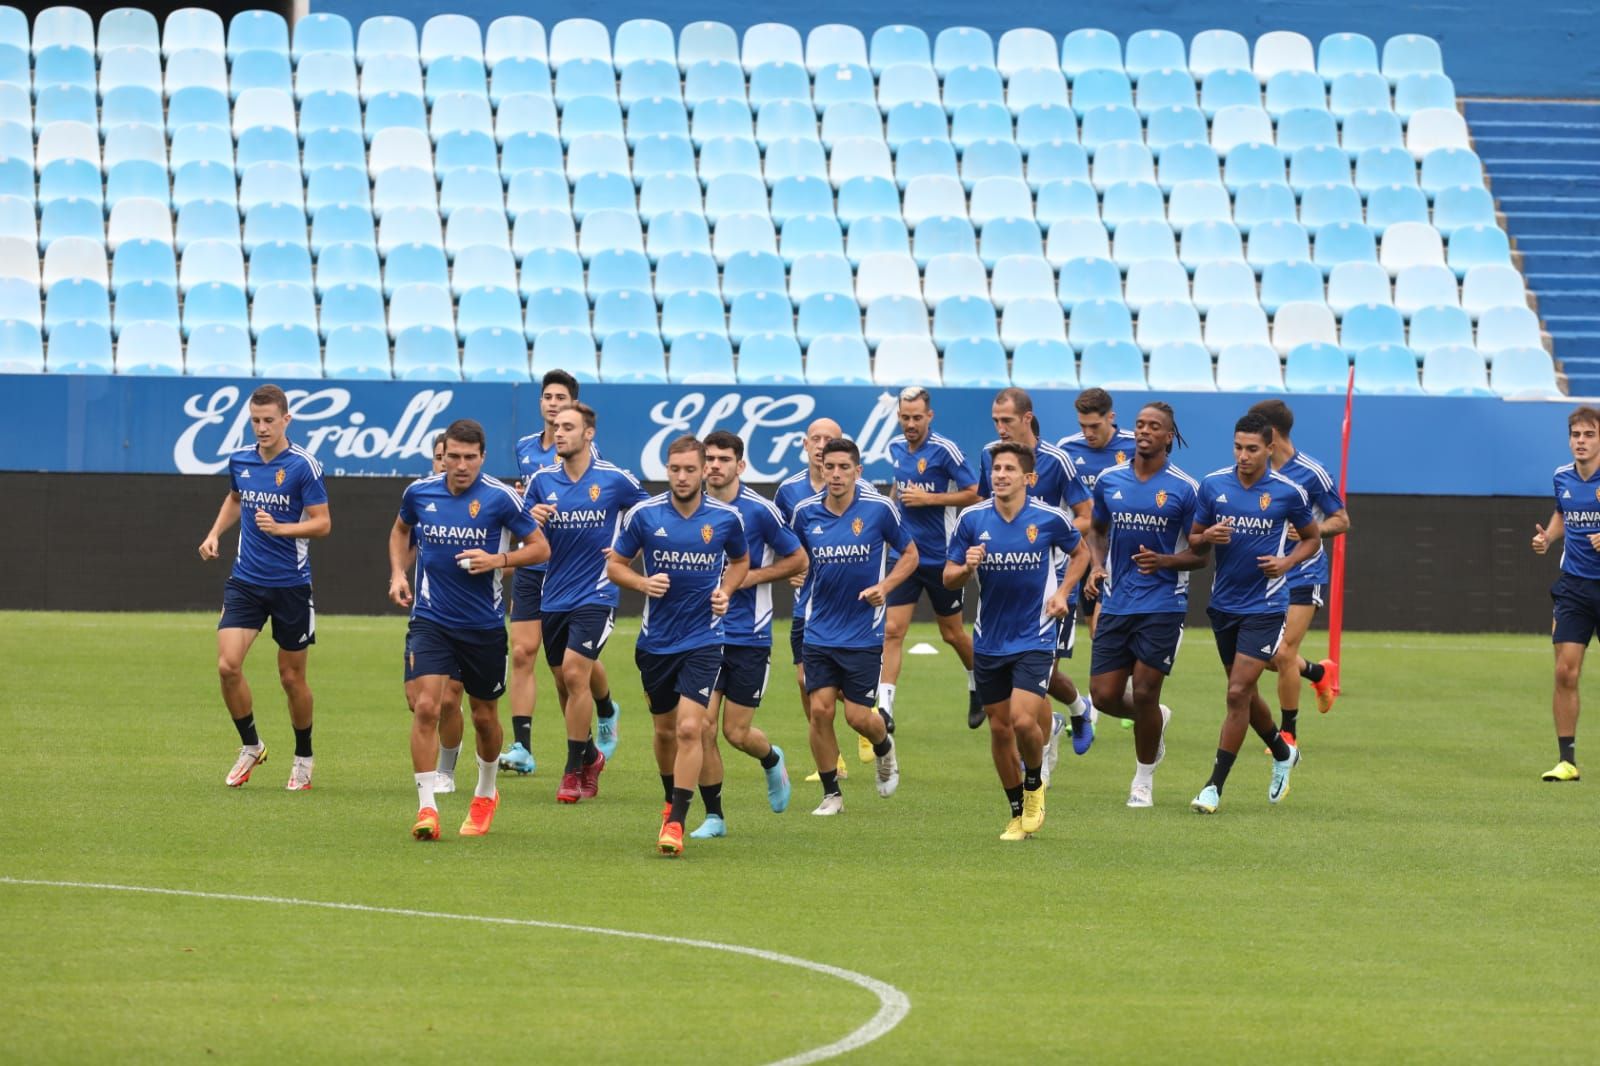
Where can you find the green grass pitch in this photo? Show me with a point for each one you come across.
(1420, 896)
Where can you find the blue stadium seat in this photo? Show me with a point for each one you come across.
(1034, 319)
(1024, 48)
(579, 39)
(1182, 366)
(1290, 281)
(1017, 277)
(735, 155)
(843, 82)
(1307, 128)
(426, 353)
(1248, 368)
(556, 308)
(713, 78)
(633, 357)
(1377, 167)
(1189, 161)
(897, 44)
(1411, 54)
(1096, 321)
(455, 74)
(838, 360)
(282, 304)
(1387, 370)
(1165, 87)
(1344, 242)
(488, 307)
(735, 194)
(19, 301)
(1005, 237)
(1323, 205)
(1445, 168)
(1462, 205)
(322, 32)
(1076, 239)
(887, 274)
(1129, 201)
(395, 110)
(792, 197)
(770, 359)
(1179, 124)
(1500, 328)
(1123, 161)
(200, 220)
(1058, 201)
(79, 347)
(694, 311)
(618, 270)
(958, 46)
(386, 35)
(1248, 164)
(947, 235)
(1102, 87)
(990, 159)
(1227, 87)
(907, 84)
(678, 231)
(1169, 322)
(1230, 325)
(975, 122)
(511, 37)
(810, 235)
(876, 234)
(659, 154)
(1278, 242)
(344, 264)
(1439, 327)
(825, 314)
(655, 115)
(70, 217)
(520, 78)
(1369, 325)
(903, 361)
(260, 69)
(1042, 124)
(792, 157)
(1417, 287)
(555, 268)
(219, 350)
(964, 318)
(1371, 128)
(1478, 245)
(1524, 373)
(1355, 283)
(288, 351)
(1112, 365)
(846, 119)
(495, 354)
(583, 77)
(215, 304)
(566, 349)
(1303, 322)
(150, 348)
(1492, 286)
(21, 348)
(482, 265)
(419, 305)
(1149, 239)
(870, 197)
(755, 313)
(975, 363)
(471, 187)
(1319, 166)
(345, 306)
(1158, 281)
(1150, 50)
(1224, 282)
(1108, 124)
(1044, 365)
(650, 79)
(1316, 368)
(782, 119)
(814, 274)
(702, 359)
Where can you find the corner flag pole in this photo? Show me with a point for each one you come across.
(1336, 574)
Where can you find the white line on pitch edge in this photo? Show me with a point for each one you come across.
(893, 1004)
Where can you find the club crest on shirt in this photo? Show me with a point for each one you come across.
(1265, 500)
(855, 527)
(594, 493)
(1596, 491)
(705, 532)
(1033, 533)
(279, 479)
(1161, 497)
(922, 465)
(1032, 479)
(1122, 456)
(473, 508)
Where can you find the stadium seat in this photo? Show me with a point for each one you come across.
(633, 357)
(1344, 242)
(904, 361)
(1249, 368)
(754, 313)
(1316, 368)
(838, 360)
(702, 41)
(751, 272)
(1150, 50)
(351, 305)
(1282, 51)
(811, 275)
(414, 263)
(418, 305)
(1500, 328)
(1204, 242)
(1353, 283)
(427, 353)
(948, 276)
(963, 318)
(488, 307)
(1435, 128)
(770, 359)
(975, 363)
(897, 44)
(1371, 324)
(1421, 91)
(1278, 242)
(1295, 281)
(825, 314)
(1181, 366)
(1097, 321)
(1121, 161)
(1086, 278)
(288, 351)
(1167, 322)
(1300, 323)
(1425, 286)
(79, 347)
(219, 350)
(1492, 286)
(698, 311)
(1524, 373)
(1016, 277)
(876, 234)
(1218, 283)
(1230, 325)
(887, 274)
(702, 359)
(145, 301)
(322, 32)
(619, 310)
(737, 234)
(282, 304)
(895, 316)
(215, 304)
(1130, 201)
(958, 46)
(557, 268)
(566, 349)
(618, 270)
(1478, 245)
(1044, 364)
(556, 308)
(1044, 123)
(150, 348)
(1141, 240)
(1112, 365)
(1439, 327)
(1058, 201)
(1387, 370)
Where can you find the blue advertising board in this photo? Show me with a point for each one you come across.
(110, 424)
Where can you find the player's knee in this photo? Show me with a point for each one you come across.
(1145, 694)
(229, 671)
(895, 629)
(523, 655)
(1104, 694)
(1238, 696)
(950, 628)
(426, 710)
(1286, 659)
(736, 732)
(1567, 676)
(690, 727)
(291, 676)
(822, 713)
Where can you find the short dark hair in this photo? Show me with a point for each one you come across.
(721, 438)
(1255, 423)
(1277, 413)
(1095, 401)
(1017, 398)
(562, 378)
(687, 443)
(842, 445)
(587, 412)
(466, 431)
(1010, 447)
(1579, 414)
(270, 394)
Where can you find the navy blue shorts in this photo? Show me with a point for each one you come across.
(853, 671)
(1253, 635)
(1067, 632)
(688, 675)
(744, 674)
(474, 657)
(294, 616)
(1577, 610)
(526, 588)
(797, 638)
(998, 675)
(583, 629)
(1306, 596)
(1120, 640)
(929, 579)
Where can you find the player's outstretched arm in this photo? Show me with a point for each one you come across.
(227, 515)
(790, 566)
(318, 522)
(400, 552)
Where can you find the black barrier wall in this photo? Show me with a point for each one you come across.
(128, 543)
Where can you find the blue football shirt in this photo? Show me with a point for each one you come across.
(691, 551)
(748, 622)
(489, 516)
(1578, 500)
(588, 514)
(1089, 462)
(937, 466)
(1052, 482)
(1313, 477)
(792, 492)
(532, 455)
(1156, 514)
(1262, 515)
(284, 488)
(849, 553)
(1021, 569)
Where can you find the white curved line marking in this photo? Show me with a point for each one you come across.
(893, 1004)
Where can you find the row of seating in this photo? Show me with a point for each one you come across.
(489, 354)
(515, 37)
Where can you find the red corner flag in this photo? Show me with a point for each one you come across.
(1336, 574)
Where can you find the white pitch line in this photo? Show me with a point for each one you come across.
(893, 1004)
